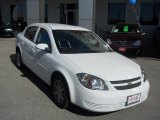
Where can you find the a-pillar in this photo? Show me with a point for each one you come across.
(87, 14)
(35, 11)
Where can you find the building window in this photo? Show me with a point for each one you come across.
(69, 14)
(149, 14)
(116, 13)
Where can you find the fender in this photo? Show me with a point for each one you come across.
(70, 80)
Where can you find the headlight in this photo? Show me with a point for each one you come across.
(92, 82)
(137, 43)
(109, 41)
(143, 75)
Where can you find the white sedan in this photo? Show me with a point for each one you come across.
(80, 68)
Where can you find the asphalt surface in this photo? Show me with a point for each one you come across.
(23, 96)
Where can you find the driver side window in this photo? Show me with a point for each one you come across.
(43, 37)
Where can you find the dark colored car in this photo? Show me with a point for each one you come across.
(6, 30)
(156, 40)
(126, 38)
(11, 29)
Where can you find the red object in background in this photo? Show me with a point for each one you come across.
(122, 49)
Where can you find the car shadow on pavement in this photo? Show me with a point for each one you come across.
(80, 111)
(33, 78)
(47, 90)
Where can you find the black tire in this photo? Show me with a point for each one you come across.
(60, 91)
(19, 62)
(139, 53)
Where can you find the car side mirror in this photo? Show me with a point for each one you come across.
(44, 47)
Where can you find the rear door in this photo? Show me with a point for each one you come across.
(28, 45)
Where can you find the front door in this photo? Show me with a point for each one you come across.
(42, 58)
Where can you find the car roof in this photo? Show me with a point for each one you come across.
(129, 24)
(56, 26)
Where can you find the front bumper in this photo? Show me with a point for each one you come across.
(107, 101)
(127, 49)
(7, 34)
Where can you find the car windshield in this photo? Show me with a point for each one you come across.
(75, 41)
(126, 28)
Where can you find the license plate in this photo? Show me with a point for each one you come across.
(133, 99)
(122, 49)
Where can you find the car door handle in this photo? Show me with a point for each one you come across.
(22, 43)
(33, 50)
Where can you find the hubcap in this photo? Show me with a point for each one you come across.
(59, 91)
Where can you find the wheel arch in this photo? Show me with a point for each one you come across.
(18, 49)
(59, 73)
(69, 82)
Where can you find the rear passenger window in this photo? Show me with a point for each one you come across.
(30, 32)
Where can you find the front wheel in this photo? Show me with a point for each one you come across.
(60, 91)
(139, 53)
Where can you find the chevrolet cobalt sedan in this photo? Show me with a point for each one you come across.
(80, 68)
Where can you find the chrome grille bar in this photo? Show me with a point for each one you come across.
(125, 81)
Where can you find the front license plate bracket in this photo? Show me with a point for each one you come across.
(132, 99)
(122, 49)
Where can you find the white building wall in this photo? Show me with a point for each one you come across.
(87, 14)
(35, 11)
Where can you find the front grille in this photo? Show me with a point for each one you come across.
(126, 84)
(122, 43)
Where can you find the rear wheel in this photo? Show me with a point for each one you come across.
(19, 62)
(60, 91)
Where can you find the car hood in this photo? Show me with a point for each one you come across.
(109, 66)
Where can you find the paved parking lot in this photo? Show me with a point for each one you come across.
(23, 96)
